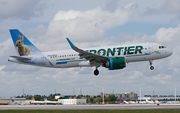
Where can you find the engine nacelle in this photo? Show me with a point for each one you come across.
(115, 63)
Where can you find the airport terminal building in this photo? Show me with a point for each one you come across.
(160, 98)
(131, 96)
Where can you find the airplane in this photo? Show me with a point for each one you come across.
(123, 101)
(149, 101)
(111, 57)
(18, 102)
(46, 102)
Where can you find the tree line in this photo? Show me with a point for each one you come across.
(90, 99)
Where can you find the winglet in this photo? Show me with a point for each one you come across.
(71, 44)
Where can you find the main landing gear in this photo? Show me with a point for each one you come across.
(96, 72)
(151, 67)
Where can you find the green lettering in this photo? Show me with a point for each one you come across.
(119, 50)
(130, 50)
(102, 52)
(112, 52)
(138, 49)
(125, 50)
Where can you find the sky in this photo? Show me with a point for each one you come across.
(90, 23)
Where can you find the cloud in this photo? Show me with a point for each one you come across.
(6, 50)
(169, 7)
(21, 9)
(168, 35)
(163, 79)
(84, 25)
(132, 6)
(87, 29)
(112, 5)
(37, 80)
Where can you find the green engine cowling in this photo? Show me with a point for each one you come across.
(115, 63)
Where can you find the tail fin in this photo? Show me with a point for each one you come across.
(22, 45)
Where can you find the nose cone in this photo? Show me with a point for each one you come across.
(169, 52)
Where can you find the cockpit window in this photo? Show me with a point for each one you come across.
(161, 47)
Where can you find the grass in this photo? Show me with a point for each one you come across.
(89, 111)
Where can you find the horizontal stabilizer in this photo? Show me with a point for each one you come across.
(21, 58)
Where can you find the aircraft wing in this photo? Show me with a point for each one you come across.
(87, 55)
(21, 58)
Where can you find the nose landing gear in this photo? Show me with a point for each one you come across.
(151, 67)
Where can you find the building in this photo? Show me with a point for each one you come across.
(72, 101)
(125, 96)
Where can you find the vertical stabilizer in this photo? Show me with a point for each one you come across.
(22, 45)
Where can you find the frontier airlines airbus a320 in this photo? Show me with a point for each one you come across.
(112, 57)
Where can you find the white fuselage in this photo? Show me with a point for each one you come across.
(70, 58)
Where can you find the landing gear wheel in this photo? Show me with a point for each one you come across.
(152, 67)
(96, 72)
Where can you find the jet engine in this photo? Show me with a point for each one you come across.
(115, 63)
